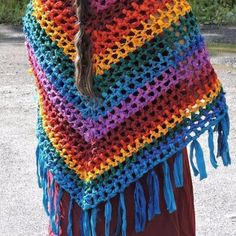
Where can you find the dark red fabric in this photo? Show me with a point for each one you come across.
(179, 223)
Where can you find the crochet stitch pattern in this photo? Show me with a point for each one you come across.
(158, 92)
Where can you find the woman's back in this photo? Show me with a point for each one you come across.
(156, 92)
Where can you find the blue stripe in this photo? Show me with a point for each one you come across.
(64, 71)
(148, 155)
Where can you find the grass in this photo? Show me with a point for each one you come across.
(207, 11)
(217, 12)
(11, 11)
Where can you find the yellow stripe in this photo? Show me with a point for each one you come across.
(55, 32)
(155, 25)
(200, 103)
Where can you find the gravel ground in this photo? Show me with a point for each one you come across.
(21, 211)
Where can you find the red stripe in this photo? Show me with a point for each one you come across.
(107, 28)
(127, 132)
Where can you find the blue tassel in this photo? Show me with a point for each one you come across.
(118, 225)
(81, 224)
(154, 200)
(211, 147)
(226, 124)
(121, 218)
(86, 223)
(93, 221)
(195, 145)
(124, 223)
(168, 190)
(220, 138)
(223, 147)
(178, 170)
(58, 212)
(195, 171)
(108, 212)
(140, 208)
(42, 177)
(38, 157)
(45, 191)
(70, 219)
(52, 214)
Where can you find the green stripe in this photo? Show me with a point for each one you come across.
(148, 146)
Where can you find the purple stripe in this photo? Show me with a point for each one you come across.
(67, 110)
(120, 114)
(93, 130)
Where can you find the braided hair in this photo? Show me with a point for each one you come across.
(83, 62)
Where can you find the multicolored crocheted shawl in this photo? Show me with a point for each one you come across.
(158, 93)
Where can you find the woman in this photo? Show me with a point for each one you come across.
(123, 87)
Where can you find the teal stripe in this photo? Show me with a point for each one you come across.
(84, 191)
(64, 70)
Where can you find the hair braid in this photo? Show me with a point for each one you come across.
(83, 62)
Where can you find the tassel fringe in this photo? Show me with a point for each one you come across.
(168, 190)
(154, 192)
(140, 207)
(70, 219)
(223, 147)
(93, 221)
(195, 145)
(42, 177)
(58, 212)
(143, 210)
(121, 218)
(108, 212)
(86, 223)
(39, 169)
(211, 147)
(82, 224)
(52, 215)
(178, 170)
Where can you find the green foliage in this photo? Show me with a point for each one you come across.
(214, 11)
(207, 11)
(11, 11)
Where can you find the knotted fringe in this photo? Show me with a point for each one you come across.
(108, 212)
(58, 211)
(140, 207)
(42, 176)
(52, 214)
(168, 190)
(89, 217)
(70, 219)
(50, 202)
(211, 147)
(195, 145)
(82, 224)
(223, 147)
(178, 170)
(86, 223)
(121, 217)
(154, 201)
(39, 169)
(93, 221)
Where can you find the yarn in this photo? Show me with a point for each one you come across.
(158, 92)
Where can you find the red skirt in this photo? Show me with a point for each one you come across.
(179, 223)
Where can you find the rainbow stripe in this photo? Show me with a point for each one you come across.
(158, 90)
